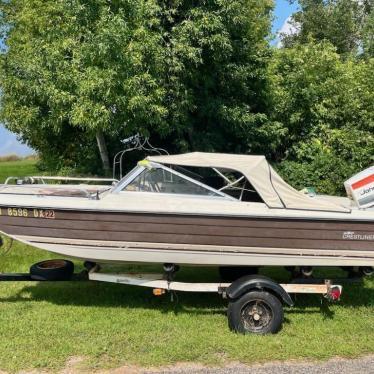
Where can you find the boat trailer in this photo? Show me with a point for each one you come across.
(255, 302)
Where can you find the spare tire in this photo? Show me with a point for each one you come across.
(52, 270)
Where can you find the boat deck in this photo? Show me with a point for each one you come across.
(53, 190)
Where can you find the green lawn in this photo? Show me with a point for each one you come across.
(17, 168)
(42, 325)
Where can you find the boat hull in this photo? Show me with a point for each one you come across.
(192, 239)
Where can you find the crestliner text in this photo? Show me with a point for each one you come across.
(351, 235)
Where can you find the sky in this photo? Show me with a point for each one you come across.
(9, 143)
(282, 12)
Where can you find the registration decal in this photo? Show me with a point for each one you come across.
(44, 213)
(31, 213)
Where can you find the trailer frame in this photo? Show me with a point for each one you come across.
(255, 302)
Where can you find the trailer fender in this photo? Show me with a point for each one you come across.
(257, 282)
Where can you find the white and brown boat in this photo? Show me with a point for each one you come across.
(195, 209)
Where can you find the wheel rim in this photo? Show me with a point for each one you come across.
(256, 315)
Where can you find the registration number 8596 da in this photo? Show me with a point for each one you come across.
(32, 213)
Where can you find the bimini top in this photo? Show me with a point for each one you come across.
(274, 191)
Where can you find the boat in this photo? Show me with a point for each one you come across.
(193, 209)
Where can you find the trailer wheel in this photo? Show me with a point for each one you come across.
(257, 312)
(52, 270)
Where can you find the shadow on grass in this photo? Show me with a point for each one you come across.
(96, 294)
(110, 295)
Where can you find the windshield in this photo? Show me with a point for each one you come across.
(163, 181)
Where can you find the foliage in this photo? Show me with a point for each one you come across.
(217, 73)
(189, 71)
(194, 75)
(368, 35)
(14, 157)
(325, 105)
(74, 67)
(344, 23)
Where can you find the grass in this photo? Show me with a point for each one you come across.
(22, 167)
(42, 325)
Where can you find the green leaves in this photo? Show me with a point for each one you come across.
(93, 66)
(194, 75)
(193, 72)
(343, 23)
(325, 105)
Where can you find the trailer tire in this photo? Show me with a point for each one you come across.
(257, 312)
(52, 270)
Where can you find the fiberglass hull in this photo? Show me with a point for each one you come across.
(192, 239)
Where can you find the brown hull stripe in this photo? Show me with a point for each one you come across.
(245, 232)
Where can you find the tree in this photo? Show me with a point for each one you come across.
(341, 22)
(190, 73)
(368, 35)
(76, 71)
(216, 80)
(325, 105)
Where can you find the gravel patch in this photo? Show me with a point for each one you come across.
(334, 366)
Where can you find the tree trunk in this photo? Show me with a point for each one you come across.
(103, 152)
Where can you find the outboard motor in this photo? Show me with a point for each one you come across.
(360, 188)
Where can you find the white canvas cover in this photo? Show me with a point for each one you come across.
(274, 191)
